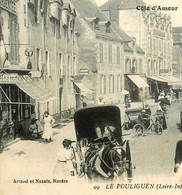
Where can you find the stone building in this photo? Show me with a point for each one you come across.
(177, 52)
(42, 49)
(134, 82)
(153, 33)
(101, 55)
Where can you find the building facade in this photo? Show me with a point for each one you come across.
(42, 50)
(101, 54)
(153, 33)
(177, 52)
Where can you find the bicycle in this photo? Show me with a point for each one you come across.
(139, 129)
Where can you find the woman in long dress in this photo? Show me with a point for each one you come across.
(48, 132)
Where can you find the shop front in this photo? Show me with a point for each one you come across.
(22, 99)
(137, 87)
(163, 83)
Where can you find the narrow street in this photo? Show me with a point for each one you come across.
(152, 155)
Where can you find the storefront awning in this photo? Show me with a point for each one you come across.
(83, 88)
(29, 86)
(170, 80)
(157, 78)
(138, 81)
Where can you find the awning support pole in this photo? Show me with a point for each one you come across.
(5, 94)
(157, 86)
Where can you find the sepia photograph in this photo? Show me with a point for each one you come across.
(90, 97)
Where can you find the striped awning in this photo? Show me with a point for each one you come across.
(138, 81)
(29, 86)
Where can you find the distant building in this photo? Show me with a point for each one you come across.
(41, 44)
(134, 82)
(177, 52)
(101, 55)
(153, 33)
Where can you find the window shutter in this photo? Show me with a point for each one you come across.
(49, 63)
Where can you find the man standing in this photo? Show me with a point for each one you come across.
(178, 159)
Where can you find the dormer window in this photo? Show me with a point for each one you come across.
(96, 23)
(108, 26)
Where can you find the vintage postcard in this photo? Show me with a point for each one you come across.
(90, 97)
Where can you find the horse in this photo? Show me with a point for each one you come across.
(106, 162)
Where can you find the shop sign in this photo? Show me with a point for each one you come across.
(8, 78)
(84, 71)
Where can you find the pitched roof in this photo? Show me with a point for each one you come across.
(121, 4)
(126, 38)
(87, 9)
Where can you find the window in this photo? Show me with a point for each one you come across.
(103, 84)
(68, 65)
(60, 64)
(149, 45)
(140, 65)
(111, 83)
(154, 46)
(47, 64)
(119, 83)
(101, 51)
(74, 65)
(110, 53)
(14, 42)
(38, 59)
(118, 55)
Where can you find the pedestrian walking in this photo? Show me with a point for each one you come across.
(48, 132)
(178, 161)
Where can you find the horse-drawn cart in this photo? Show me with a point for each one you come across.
(100, 146)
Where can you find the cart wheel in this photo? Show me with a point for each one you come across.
(157, 128)
(139, 129)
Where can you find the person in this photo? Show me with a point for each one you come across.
(147, 109)
(35, 128)
(177, 95)
(156, 95)
(66, 162)
(100, 101)
(162, 108)
(161, 96)
(48, 132)
(178, 160)
(111, 132)
(98, 132)
(144, 118)
(159, 115)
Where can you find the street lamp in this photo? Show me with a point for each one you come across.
(29, 53)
